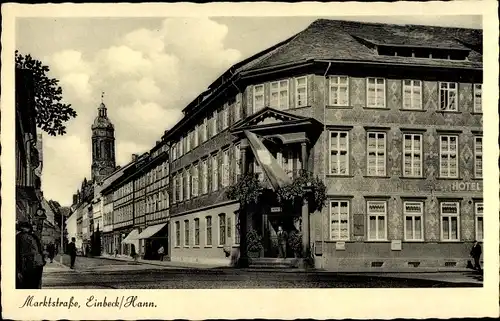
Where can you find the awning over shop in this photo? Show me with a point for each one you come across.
(151, 231)
(131, 237)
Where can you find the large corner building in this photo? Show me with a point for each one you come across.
(389, 117)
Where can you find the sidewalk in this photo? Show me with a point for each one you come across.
(55, 267)
(183, 265)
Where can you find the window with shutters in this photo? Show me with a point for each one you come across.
(225, 116)
(177, 234)
(196, 135)
(236, 228)
(448, 160)
(376, 154)
(339, 91)
(279, 94)
(214, 129)
(414, 218)
(377, 220)
(412, 94)
(237, 108)
(204, 128)
(237, 157)
(339, 220)
(450, 221)
(412, 149)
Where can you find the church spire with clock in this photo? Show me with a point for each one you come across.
(103, 144)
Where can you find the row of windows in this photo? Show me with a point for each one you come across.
(157, 202)
(376, 151)
(194, 181)
(124, 190)
(413, 220)
(227, 228)
(338, 94)
(208, 127)
(156, 153)
(123, 214)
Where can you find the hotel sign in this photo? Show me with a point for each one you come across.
(467, 186)
(275, 209)
(396, 245)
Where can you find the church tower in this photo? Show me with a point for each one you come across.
(103, 145)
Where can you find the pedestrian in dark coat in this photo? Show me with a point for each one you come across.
(282, 240)
(476, 255)
(72, 252)
(51, 250)
(29, 258)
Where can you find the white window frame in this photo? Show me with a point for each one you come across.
(339, 222)
(340, 150)
(281, 86)
(412, 154)
(258, 93)
(478, 105)
(477, 155)
(479, 214)
(194, 181)
(225, 166)
(376, 150)
(236, 238)
(338, 85)
(374, 104)
(449, 153)
(413, 216)
(412, 86)
(219, 229)
(174, 188)
(450, 216)
(377, 216)
(297, 87)
(445, 86)
(181, 146)
(215, 172)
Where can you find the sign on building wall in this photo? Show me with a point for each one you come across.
(358, 224)
(340, 246)
(396, 245)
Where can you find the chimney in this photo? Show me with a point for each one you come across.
(75, 198)
(134, 157)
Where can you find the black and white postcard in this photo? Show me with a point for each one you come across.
(333, 160)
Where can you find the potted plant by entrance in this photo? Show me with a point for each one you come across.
(254, 244)
(295, 243)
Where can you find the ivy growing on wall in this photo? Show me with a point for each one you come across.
(247, 190)
(304, 186)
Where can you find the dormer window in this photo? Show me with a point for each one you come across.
(422, 52)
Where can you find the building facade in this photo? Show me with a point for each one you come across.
(28, 158)
(389, 117)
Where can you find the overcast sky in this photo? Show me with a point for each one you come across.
(149, 69)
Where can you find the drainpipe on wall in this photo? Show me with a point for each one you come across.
(325, 96)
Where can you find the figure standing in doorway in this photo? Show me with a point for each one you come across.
(476, 255)
(282, 239)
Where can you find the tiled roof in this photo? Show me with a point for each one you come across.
(340, 40)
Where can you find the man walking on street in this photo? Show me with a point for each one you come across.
(282, 238)
(51, 250)
(29, 258)
(72, 252)
(476, 255)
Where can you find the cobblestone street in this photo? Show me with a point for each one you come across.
(113, 274)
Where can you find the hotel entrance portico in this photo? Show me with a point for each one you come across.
(272, 138)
